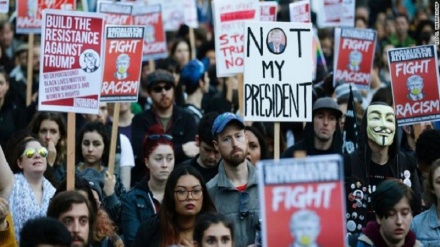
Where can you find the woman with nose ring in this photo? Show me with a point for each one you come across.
(145, 198)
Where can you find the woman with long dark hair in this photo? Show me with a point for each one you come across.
(186, 196)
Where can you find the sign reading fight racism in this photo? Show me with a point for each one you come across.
(70, 68)
(123, 60)
(302, 201)
(273, 88)
(29, 13)
(268, 11)
(300, 11)
(354, 52)
(150, 16)
(229, 17)
(335, 13)
(116, 13)
(415, 84)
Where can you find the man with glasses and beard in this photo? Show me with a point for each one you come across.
(75, 212)
(175, 121)
(377, 158)
(237, 179)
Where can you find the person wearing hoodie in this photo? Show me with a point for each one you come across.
(394, 204)
(376, 159)
(324, 128)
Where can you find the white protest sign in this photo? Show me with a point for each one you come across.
(229, 32)
(71, 61)
(173, 13)
(300, 11)
(278, 71)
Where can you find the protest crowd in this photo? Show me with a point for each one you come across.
(187, 150)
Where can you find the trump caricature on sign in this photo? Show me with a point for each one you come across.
(305, 227)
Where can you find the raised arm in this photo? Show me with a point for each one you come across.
(6, 176)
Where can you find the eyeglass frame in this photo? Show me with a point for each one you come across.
(36, 150)
(187, 194)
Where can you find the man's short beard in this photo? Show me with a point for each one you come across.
(235, 160)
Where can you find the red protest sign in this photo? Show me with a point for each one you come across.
(268, 11)
(150, 16)
(122, 63)
(302, 201)
(29, 13)
(70, 71)
(415, 84)
(354, 51)
(116, 13)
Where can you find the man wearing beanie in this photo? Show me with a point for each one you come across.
(324, 128)
(175, 121)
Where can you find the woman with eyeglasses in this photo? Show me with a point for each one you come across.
(51, 129)
(213, 229)
(23, 183)
(92, 150)
(145, 198)
(186, 197)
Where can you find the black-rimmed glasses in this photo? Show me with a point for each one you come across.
(157, 137)
(244, 200)
(183, 194)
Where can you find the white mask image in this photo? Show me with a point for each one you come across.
(381, 124)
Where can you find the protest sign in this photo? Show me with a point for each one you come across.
(190, 14)
(150, 16)
(334, 13)
(116, 13)
(70, 68)
(229, 17)
(300, 11)
(4, 6)
(415, 84)
(273, 88)
(29, 13)
(123, 56)
(354, 53)
(302, 201)
(268, 11)
(173, 13)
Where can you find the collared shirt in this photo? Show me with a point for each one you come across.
(426, 226)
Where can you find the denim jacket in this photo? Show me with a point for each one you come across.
(137, 205)
(226, 197)
(426, 226)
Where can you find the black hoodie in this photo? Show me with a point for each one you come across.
(362, 177)
(308, 143)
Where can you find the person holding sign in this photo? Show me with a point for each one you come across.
(237, 180)
(378, 158)
(324, 128)
(394, 204)
(92, 151)
(145, 198)
(27, 191)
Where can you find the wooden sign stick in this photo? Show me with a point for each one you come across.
(71, 119)
(111, 158)
(30, 69)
